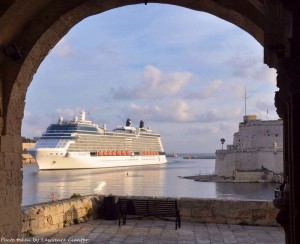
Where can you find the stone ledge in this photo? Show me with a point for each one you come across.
(40, 218)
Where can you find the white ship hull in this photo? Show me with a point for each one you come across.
(79, 144)
(86, 161)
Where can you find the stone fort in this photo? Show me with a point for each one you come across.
(257, 145)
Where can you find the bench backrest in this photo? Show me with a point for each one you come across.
(167, 208)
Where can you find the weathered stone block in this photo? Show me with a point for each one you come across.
(37, 224)
(245, 214)
(203, 212)
(25, 226)
(186, 212)
(258, 214)
(7, 144)
(57, 219)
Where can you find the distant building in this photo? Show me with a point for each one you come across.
(256, 146)
(26, 157)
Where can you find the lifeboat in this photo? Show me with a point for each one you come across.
(114, 153)
(109, 153)
(105, 153)
(123, 153)
(118, 153)
(128, 153)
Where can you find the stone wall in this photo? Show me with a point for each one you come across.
(259, 134)
(10, 186)
(223, 211)
(45, 217)
(260, 176)
(257, 144)
(227, 161)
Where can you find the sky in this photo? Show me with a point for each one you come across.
(182, 71)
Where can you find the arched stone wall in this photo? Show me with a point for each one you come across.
(35, 27)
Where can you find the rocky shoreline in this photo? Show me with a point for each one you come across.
(216, 178)
(208, 178)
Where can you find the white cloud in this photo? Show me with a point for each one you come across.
(208, 91)
(180, 111)
(173, 110)
(243, 66)
(267, 74)
(252, 67)
(218, 115)
(155, 84)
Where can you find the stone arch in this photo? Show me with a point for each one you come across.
(41, 25)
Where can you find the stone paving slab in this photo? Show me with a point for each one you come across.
(155, 231)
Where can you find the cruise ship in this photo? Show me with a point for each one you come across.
(80, 144)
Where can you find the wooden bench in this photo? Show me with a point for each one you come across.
(162, 209)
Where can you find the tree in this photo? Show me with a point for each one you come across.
(222, 141)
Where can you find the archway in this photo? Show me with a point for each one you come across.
(41, 25)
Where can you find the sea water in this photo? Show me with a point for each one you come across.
(149, 180)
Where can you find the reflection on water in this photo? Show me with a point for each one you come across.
(150, 180)
(259, 191)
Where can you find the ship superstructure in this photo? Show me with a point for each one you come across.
(79, 143)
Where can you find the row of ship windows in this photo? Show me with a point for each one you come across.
(116, 141)
(109, 149)
(116, 145)
(52, 144)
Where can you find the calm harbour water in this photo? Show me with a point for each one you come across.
(149, 180)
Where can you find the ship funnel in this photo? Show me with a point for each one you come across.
(128, 122)
(141, 124)
(82, 115)
(60, 120)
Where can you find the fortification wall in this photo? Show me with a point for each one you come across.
(257, 145)
(45, 217)
(259, 134)
(230, 160)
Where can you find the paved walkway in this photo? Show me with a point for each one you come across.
(148, 231)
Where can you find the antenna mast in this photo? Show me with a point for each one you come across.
(246, 100)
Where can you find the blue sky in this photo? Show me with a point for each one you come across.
(183, 72)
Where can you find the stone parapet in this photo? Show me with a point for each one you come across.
(40, 218)
(44, 217)
(223, 211)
